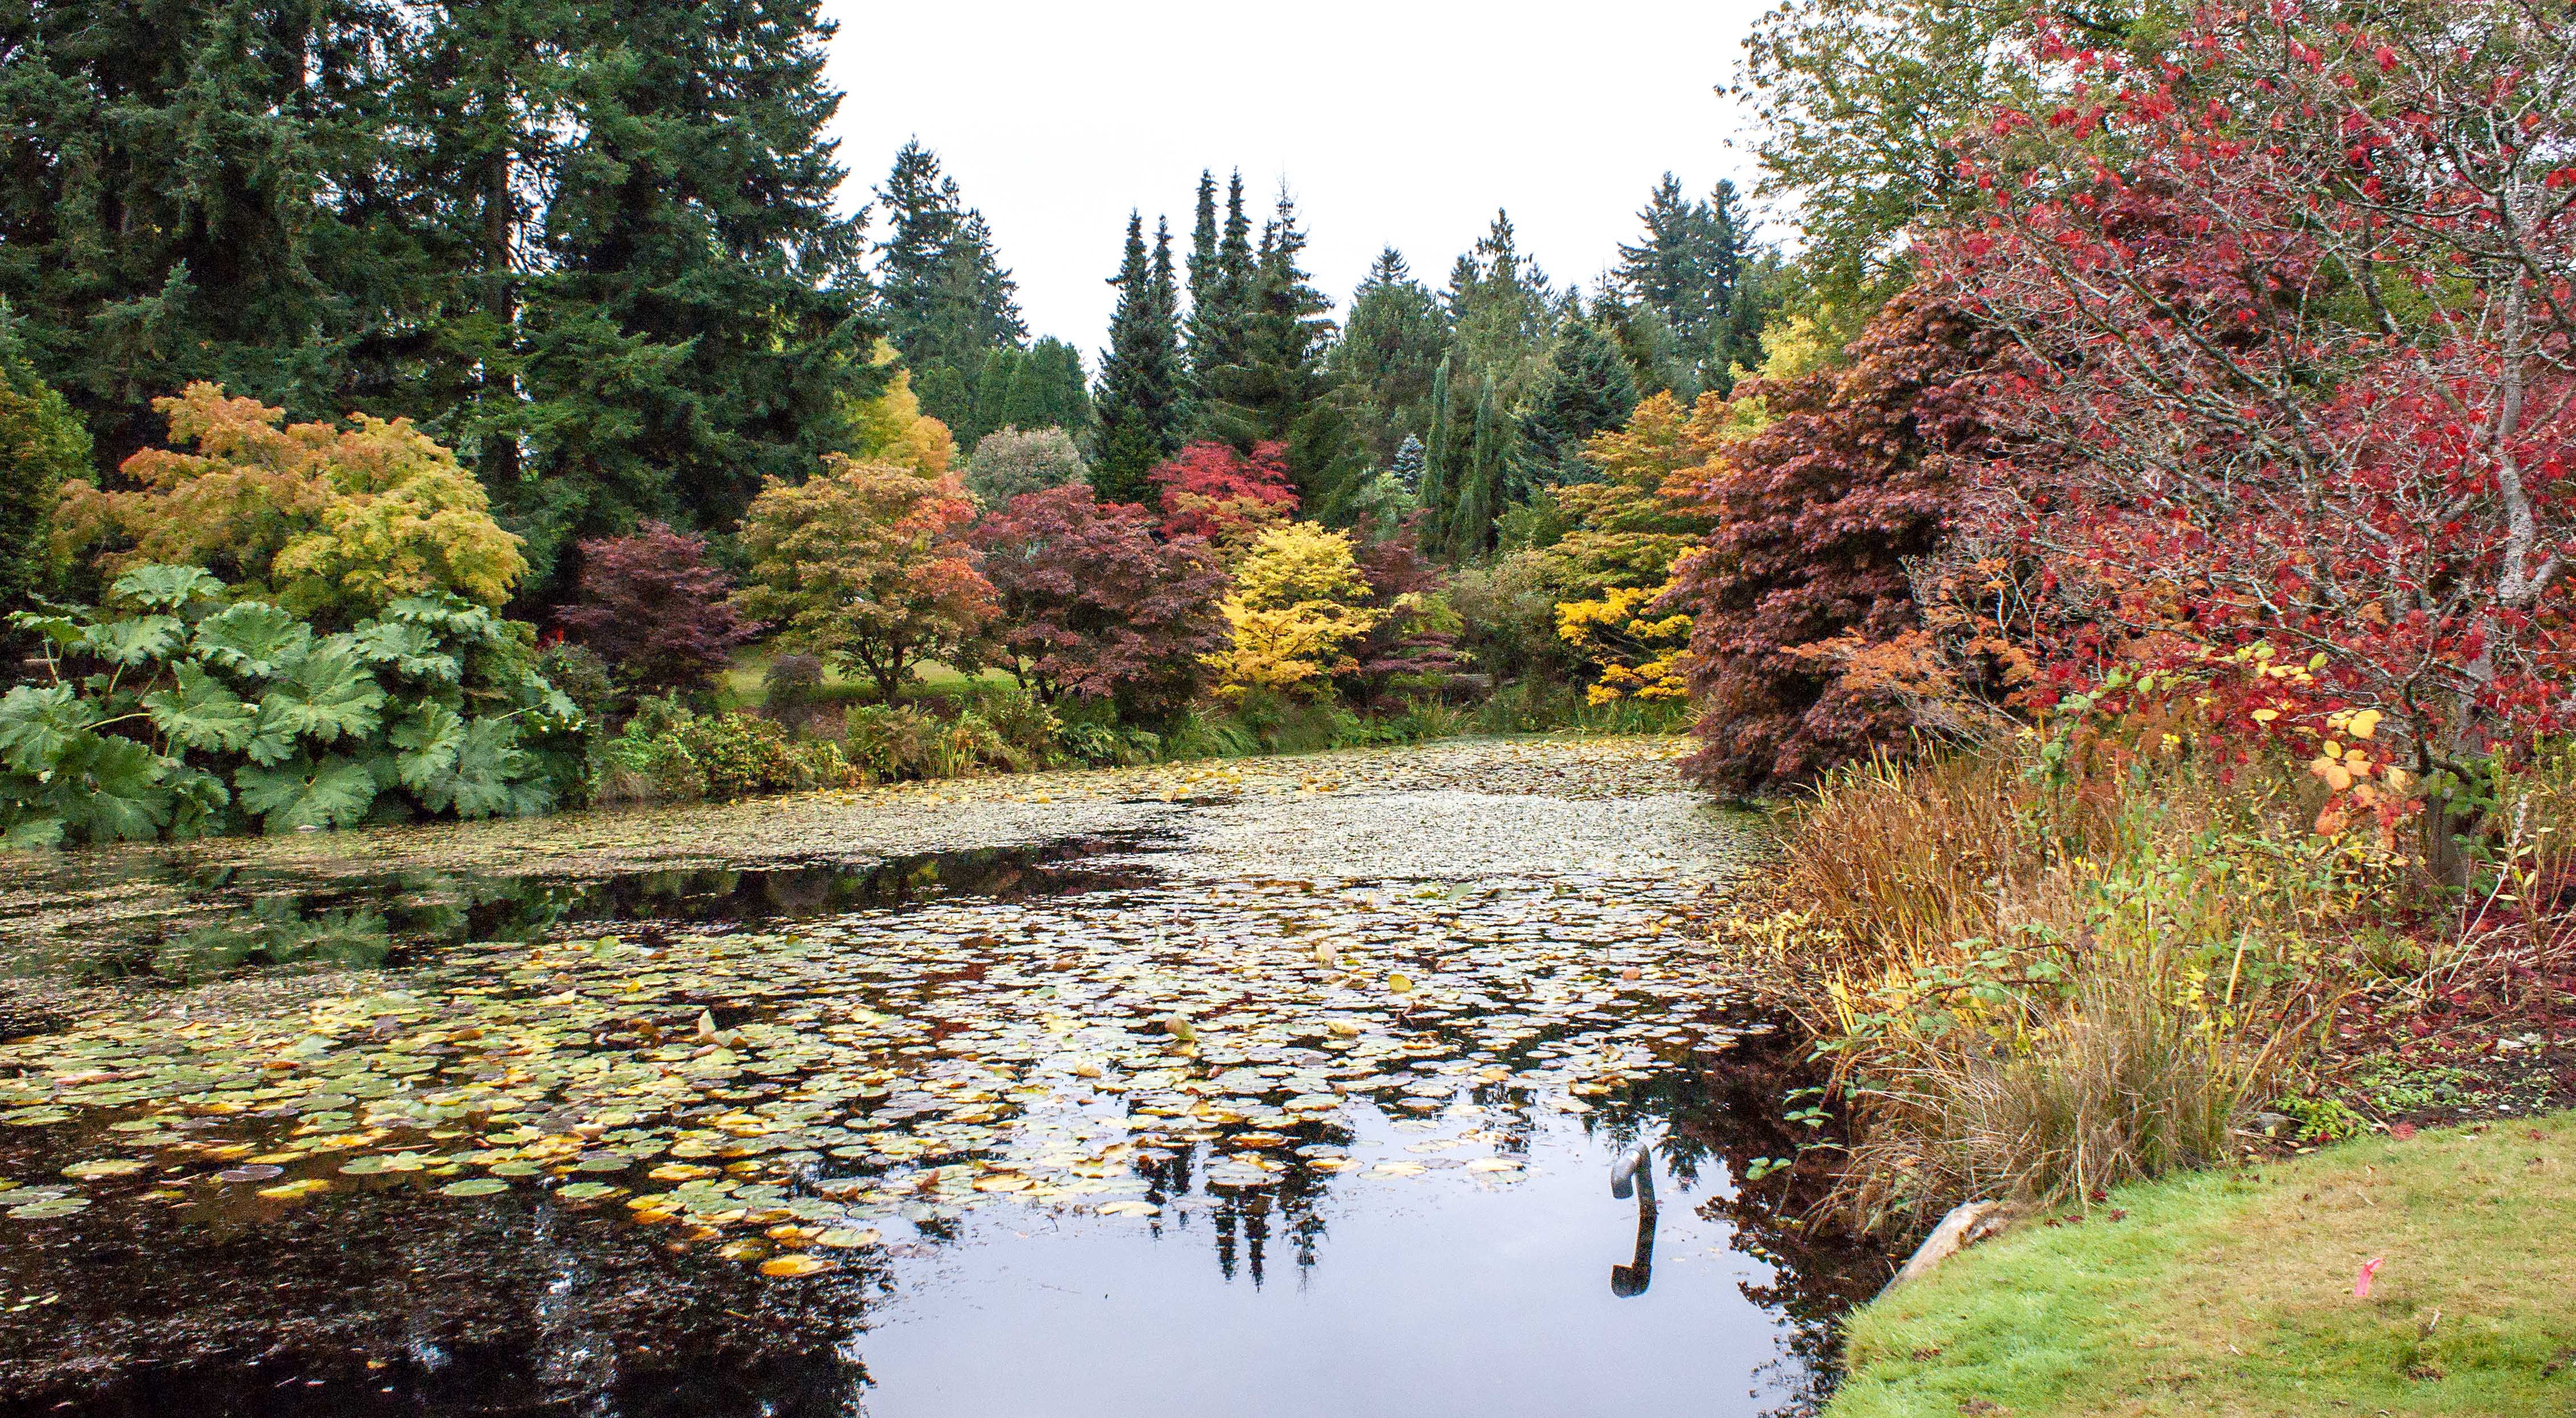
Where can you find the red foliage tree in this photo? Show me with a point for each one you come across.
(1094, 606)
(652, 608)
(1210, 490)
(2297, 313)
(1817, 516)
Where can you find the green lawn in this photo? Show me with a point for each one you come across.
(2231, 1293)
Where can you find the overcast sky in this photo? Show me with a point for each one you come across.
(1395, 122)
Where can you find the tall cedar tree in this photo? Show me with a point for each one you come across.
(651, 606)
(946, 300)
(1860, 469)
(1098, 607)
(1389, 350)
(700, 329)
(1277, 393)
(1141, 399)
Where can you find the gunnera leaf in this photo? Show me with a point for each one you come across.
(162, 587)
(328, 693)
(109, 789)
(426, 743)
(411, 647)
(307, 792)
(492, 776)
(138, 641)
(38, 723)
(202, 713)
(253, 638)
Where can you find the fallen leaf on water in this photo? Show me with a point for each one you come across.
(788, 1266)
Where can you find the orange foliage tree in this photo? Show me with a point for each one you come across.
(865, 566)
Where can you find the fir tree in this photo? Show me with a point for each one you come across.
(946, 299)
(1222, 288)
(1407, 465)
(1140, 400)
(1501, 308)
(1585, 389)
(1389, 351)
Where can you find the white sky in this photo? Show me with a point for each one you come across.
(1399, 121)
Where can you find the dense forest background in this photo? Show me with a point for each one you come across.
(600, 250)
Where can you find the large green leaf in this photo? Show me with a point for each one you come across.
(202, 713)
(61, 627)
(491, 777)
(427, 741)
(38, 724)
(254, 638)
(410, 647)
(139, 640)
(165, 588)
(328, 693)
(327, 792)
(32, 834)
(109, 789)
(455, 620)
(197, 803)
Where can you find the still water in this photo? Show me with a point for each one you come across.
(1254, 1090)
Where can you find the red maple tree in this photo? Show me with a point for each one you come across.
(651, 606)
(2294, 396)
(1211, 490)
(1094, 606)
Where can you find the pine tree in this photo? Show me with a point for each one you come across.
(700, 326)
(1140, 401)
(1501, 309)
(946, 299)
(921, 209)
(1667, 271)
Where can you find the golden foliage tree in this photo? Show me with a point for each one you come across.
(333, 523)
(1299, 604)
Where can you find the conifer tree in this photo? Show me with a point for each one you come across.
(1585, 389)
(947, 302)
(1501, 309)
(1223, 277)
(1407, 465)
(1140, 400)
(1388, 353)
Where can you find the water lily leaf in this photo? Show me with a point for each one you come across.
(1129, 1208)
(104, 1167)
(46, 1210)
(253, 1172)
(587, 1191)
(847, 1238)
(789, 1266)
(474, 1186)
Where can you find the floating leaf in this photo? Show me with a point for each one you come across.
(1129, 1208)
(475, 1186)
(794, 1265)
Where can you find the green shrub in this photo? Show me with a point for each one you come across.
(671, 753)
(890, 741)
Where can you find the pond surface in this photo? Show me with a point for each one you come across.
(1255, 1089)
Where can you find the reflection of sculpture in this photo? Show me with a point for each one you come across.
(1636, 1169)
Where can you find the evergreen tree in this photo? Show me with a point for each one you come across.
(194, 192)
(1140, 401)
(1667, 271)
(1585, 389)
(1222, 287)
(1407, 465)
(1700, 272)
(1388, 352)
(1646, 345)
(1501, 308)
(947, 301)
(699, 327)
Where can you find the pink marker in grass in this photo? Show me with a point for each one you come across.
(2361, 1282)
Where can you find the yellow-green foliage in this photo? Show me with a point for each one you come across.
(1297, 607)
(333, 523)
(892, 428)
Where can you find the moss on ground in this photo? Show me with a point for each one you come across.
(2232, 1293)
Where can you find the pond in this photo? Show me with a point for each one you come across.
(1257, 1088)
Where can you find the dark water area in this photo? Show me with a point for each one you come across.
(1112, 1123)
(205, 923)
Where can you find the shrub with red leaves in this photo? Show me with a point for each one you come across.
(1095, 606)
(1859, 470)
(655, 611)
(1414, 647)
(1210, 490)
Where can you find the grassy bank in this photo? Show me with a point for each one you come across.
(2230, 1292)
